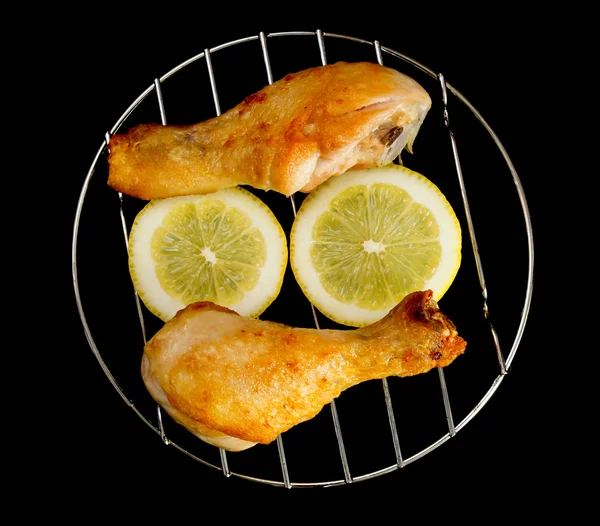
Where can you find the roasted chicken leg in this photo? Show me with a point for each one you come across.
(288, 137)
(235, 381)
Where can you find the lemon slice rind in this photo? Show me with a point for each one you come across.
(421, 190)
(141, 263)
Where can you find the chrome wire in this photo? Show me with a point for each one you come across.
(334, 413)
(213, 87)
(280, 448)
(386, 388)
(163, 119)
(400, 462)
(472, 235)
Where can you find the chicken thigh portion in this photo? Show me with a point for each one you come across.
(235, 381)
(290, 136)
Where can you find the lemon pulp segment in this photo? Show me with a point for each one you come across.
(365, 236)
(207, 251)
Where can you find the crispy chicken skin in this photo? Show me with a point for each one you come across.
(288, 137)
(235, 381)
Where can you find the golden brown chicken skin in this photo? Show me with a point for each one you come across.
(236, 381)
(288, 137)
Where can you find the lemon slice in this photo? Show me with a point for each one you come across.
(226, 247)
(364, 240)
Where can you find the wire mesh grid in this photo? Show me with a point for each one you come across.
(156, 421)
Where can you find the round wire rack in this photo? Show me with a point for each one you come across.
(376, 427)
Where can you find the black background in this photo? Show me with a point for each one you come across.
(106, 451)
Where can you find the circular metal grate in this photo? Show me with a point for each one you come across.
(371, 429)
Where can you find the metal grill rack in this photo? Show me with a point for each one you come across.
(504, 362)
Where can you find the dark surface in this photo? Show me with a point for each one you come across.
(498, 455)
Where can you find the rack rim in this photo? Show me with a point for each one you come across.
(262, 37)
